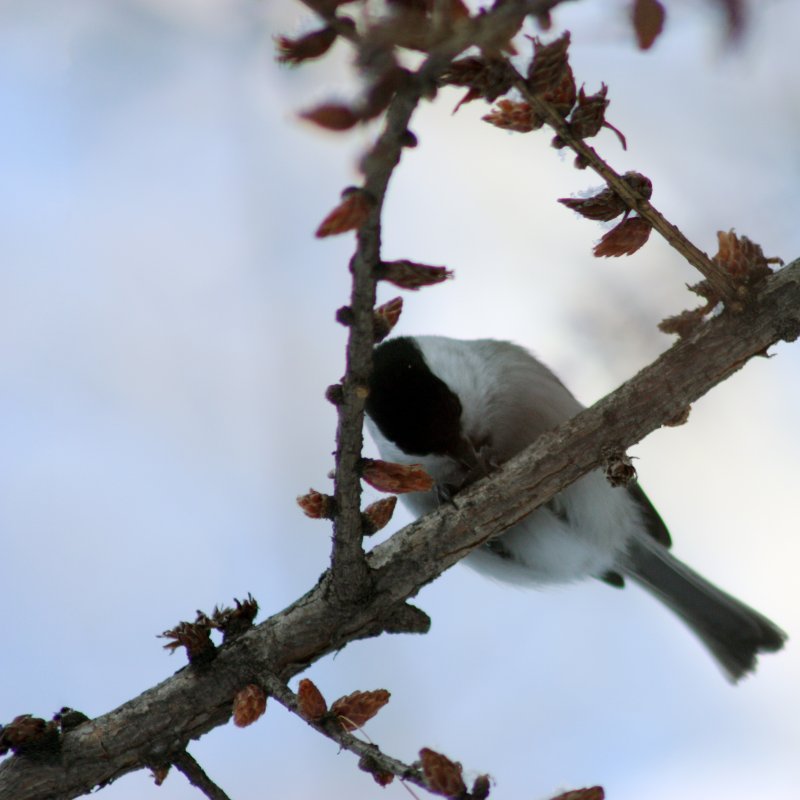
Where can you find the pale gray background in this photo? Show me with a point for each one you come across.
(166, 335)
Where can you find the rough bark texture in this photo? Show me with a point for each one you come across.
(156, 726)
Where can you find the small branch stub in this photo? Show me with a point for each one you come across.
(619, 469)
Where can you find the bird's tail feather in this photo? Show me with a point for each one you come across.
(732, 631)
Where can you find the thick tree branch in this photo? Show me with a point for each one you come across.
(155, 726)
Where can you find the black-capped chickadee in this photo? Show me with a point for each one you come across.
(458, 407)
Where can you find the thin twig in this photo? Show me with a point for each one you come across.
(195, 774)
(715, 275)
(349, 573)
(333, 730)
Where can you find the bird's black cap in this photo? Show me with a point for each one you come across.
(411, 406)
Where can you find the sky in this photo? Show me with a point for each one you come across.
(167, 334)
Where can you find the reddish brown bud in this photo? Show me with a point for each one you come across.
(312, 45)
(513, 116)
(349, 215)
(484, 76)
(411, 275)
(589, 115)
(480, 788)
(624, 239)
(607, 204)
(395, 478)
(377, 515)
(386, 317)
(235, 621)
(248, 705)
(310, 702)
(332, 116)
(195, 637)
(442, 775)
(358, 708)
(648, 18)
(562, 97)
(593, 793)
(742, 258)
(316, 505)
(550, 64)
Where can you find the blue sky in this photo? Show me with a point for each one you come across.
(166, 336)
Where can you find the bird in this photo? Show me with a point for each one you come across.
(461, 408)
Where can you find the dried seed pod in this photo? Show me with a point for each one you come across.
(248, 705)
(624, 239)
(442, 775)
(357, 708)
